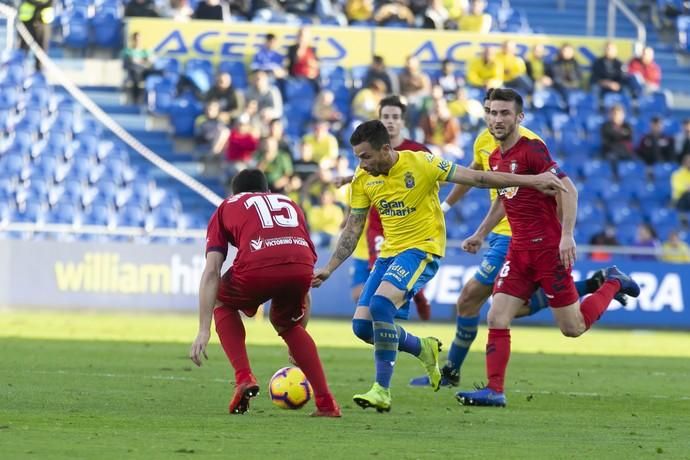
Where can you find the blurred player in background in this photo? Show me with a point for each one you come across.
(541, 251)
(404, 188)
(477, 290)
(275, 261)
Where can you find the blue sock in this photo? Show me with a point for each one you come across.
(385, 338)
(465, 333)
(363, 330)
(581, 287)
(407, 342)
(538, 302)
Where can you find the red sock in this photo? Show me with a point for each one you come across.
(597, 303)
(497, 356)
(303, 350)
(231, 332)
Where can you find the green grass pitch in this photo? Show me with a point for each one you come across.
(101, 386)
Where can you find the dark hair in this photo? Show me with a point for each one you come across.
(373, 132)
(656, 119)
(270, 36)
(487, 96)
(377, 59)
(508, 95)
(249, 180)
(392, 101)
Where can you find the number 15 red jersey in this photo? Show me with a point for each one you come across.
(266, 228)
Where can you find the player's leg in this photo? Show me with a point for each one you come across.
(513, 288)
(575, 318)
(234, 290)
(288, 307)
(362, 324)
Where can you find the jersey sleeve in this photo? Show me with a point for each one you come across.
(359, 200)
(439, 168)
(539, 159)
(476, 149)
(216, 240)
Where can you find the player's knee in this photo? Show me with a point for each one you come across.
(381, 308)
(363, 329)
(573, 329)
(497, 320)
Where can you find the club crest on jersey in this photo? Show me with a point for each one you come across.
(409, 180)
(513, 166)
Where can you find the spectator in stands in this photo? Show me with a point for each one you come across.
(476, 20)
(325, 219)
(324, 145)
(366, 102)
(607, 72)
(229, 99)
(538, 68)
(325, 110)
(683, 140)
(302, 60)
(514, 68)
(441, 131)
(485, 71)
(646, 239)
(276, 163)
(394, 12)
(675, 250)
(138, 63)
(464, 106)
(455, 8)
(414, 84)
(448, 80)
(359, 10)
(655, 146)
(607, 237)
(305, 165)
(178, 10)
(140, 8)
(378, 71)
(566, 72)
(680, 185)
(242, 144)
(645, 74)
(436, 15)
(214, 10)
(267, 96)
(210, 130)
(36, 15)
(616, 136)
(300, 8)
(269, 60)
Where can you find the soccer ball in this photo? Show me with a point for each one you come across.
(289, 388)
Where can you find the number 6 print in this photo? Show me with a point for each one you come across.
(505, 269)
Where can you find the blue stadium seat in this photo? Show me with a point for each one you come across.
(132, 216)
(200, 71)
(183, 113)
(167, 65)
(656, 103)
(75, 29)
(611, 99)
(623, 215)
(164, 217)
(633, 170)
(98, 214)
(662, 171)
(597, 169)
(30, 212)
(659, 217)
(106, 27)
(301, 90)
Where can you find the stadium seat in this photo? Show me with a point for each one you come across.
(75, 29)
(659, 217)
(183, 113)
(200, 71)
(595, 169)
(106, 26)
(662, 171)
(623, 215)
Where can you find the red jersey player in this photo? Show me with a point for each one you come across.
(541, 252)
(275, 260)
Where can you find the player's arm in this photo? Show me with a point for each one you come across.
(567, 203)
(459, 190)
(342, 180)
(346, 245)
(546, 182)
(497, 212)
(208, 290)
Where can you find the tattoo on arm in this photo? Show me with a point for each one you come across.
(348, 239)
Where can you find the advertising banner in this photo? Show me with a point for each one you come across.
(48, 274)
(347, 47)
(217, 41)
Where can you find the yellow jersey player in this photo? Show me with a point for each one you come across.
(404, 186)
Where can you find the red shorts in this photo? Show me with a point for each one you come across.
(285, 285)
(524, 271)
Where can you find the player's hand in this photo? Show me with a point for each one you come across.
(342, 180)
(320, 276)
(472, 244)
(199, 347)
(548, 183)
(567, 250)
